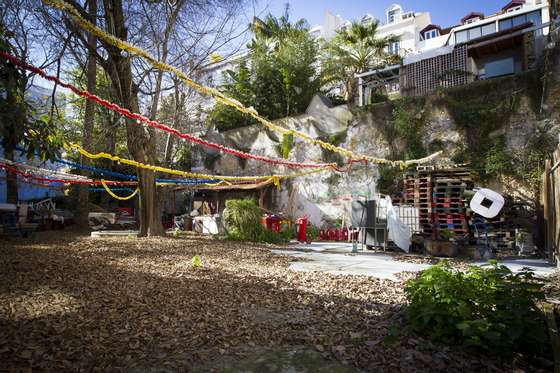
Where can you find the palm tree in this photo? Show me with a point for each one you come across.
(354, 50)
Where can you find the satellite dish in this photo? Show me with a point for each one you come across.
(487, 203)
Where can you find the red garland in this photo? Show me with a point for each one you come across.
(127, 113)
(26, 175)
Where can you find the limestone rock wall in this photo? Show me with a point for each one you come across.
(326, 197)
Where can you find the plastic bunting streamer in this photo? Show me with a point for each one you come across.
(116, 196)
(27, 175)
(42, 171)
(41, 185)
(129, 190)
(105, 172)
(220, 97)
(129, 162)
(140, 118)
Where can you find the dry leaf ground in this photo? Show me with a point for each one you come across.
(69, 302)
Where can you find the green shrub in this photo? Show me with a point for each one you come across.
(287, 145)
(243, 221)
(242, 218)
(488, 308)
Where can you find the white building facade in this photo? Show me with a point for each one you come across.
(406, 25)
(476, 25)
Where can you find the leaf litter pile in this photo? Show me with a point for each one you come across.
(71, 302)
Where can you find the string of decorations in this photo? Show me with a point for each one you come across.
(143, 119)
(136, 164)
(115, 196)
(220, 97)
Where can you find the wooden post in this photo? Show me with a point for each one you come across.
(549, 313)
(547, 211)
(555, 194)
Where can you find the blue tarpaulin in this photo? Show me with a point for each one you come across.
(28, 192)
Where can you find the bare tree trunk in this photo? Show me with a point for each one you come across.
(89, 115)
(11, 178)
(140, 141)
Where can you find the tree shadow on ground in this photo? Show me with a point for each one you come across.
(138, 305)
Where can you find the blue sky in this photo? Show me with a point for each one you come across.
(444, 12)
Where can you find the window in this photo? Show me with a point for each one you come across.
(488, 29)
(461, 36)
(475, 33)
(519, 20)
(505, 24)
(501, 67)
(513, 9)
(394, 48)
(431, 34)
(393, 15)
(472, 20)
(533, 17)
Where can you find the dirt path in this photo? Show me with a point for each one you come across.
(70, 302)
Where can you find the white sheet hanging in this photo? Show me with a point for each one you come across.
(399, 232)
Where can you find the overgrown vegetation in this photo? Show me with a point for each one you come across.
(388, 175)
(356, 49)
(243, 222)
(482, 112)
(486, 308)
(287, 145)
(409, 121)
(280, 77)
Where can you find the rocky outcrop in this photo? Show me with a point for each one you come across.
(325, 197)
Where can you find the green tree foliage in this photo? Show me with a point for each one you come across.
(23, 122)
(354, 50)
(488, 308)
(280, 77)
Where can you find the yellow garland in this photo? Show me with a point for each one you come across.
(118, 197)
(224, 179)
(220, 97)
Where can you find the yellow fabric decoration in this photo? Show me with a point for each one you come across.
(276, 181)
(220, 97)
(118, 197)
(224, 179)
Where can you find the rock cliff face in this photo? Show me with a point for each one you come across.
(464, 122)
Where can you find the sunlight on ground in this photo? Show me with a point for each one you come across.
(39, 303)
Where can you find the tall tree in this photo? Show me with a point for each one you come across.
(89, 114)
(172, 31)
(280, 77)
(21, 123)
(354, 50)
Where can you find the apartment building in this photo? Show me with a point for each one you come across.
(406, 25)
(477, 47)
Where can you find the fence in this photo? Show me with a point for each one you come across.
(550, 199)
(445, 71)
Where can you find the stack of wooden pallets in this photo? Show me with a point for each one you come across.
(439, 195)
(418, 193)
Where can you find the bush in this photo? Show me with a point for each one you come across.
(488, 308)
(243, 221)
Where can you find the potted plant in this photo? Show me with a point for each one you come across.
(445, 245)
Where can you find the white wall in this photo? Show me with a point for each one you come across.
(407, 30)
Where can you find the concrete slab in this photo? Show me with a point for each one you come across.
(333, 247)
(366, 264)
(337, 258)
(106, 234)
(541, 267)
